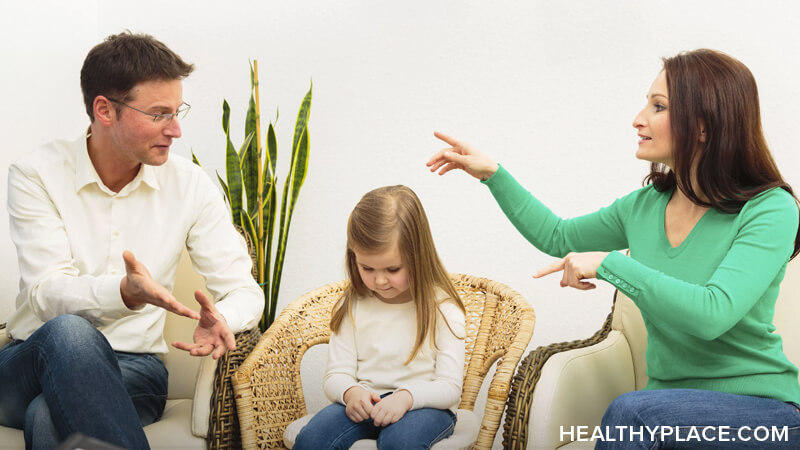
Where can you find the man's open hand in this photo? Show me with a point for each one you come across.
(138, 288)
(213, 335)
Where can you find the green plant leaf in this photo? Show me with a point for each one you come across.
(194, 159)
(295, 180)
(225, 190)
(250, 229)
(270, 206)
(233, 174)
(249, 157)
(226, 117)
(270, 172)
(300, 170)
(302, 120)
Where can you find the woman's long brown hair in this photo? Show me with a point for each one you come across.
(709, 90)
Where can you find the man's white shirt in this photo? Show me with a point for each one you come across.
(70, 231)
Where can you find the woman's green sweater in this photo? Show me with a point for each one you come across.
(707, 304)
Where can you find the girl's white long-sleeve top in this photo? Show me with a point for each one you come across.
(370, 351)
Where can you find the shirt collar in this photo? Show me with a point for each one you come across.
(85, 172)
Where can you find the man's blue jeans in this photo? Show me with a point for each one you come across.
(697, 419)
(417, 429)
(66, 378)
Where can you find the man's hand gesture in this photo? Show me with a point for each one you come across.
(212, 333)
(138, 288)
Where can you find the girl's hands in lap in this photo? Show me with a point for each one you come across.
(359, 403)
(391, 408)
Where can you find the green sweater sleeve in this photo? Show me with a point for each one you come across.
(602, 230)
(755, 263)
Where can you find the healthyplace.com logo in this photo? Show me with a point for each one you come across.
(722, 433)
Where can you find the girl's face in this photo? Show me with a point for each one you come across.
(384, 274)
(652, 124)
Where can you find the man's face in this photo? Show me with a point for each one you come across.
(135, 135)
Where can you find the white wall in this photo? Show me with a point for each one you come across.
(548, 88)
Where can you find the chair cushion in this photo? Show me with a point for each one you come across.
(173, 431)
(11, 438)
(463, 437)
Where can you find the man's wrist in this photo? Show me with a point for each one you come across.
(128, 300)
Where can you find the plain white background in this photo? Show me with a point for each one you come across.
(547, 88)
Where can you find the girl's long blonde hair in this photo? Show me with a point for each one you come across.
(383, 217)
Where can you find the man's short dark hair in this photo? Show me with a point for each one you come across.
(113, 67)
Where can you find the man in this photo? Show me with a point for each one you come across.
(99, 224)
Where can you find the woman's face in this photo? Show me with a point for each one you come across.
(652, 125)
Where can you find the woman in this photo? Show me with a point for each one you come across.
(709, 237)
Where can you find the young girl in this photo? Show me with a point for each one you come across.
(396, 354)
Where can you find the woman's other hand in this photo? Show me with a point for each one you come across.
(461, 156)
(576, 267)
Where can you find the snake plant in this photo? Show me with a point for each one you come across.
(250, 188)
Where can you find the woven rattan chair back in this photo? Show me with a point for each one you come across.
(269, 393)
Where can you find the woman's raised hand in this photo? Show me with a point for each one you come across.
(461, 156)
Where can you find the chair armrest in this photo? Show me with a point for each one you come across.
(574, 389)
(203, 391)
(214, 408)
(508, 336)
(577, 386)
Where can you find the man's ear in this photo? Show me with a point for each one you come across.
(103, 110)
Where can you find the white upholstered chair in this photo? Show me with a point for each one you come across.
(572, 383)
(185, 423)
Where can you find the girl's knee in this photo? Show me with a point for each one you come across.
(309, 440)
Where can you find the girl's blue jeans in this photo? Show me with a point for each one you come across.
(698, 419)
(65, 378)
(417, 429)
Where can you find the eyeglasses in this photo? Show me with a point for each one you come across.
(161, 119)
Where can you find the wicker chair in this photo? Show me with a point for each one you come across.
(572, 383)
(269, 393)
